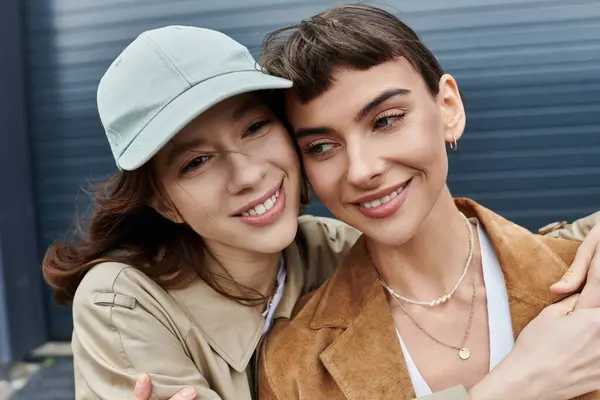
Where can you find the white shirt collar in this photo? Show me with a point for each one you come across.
(268, 313)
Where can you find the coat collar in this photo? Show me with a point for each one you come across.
(354, 301)
(232, 330)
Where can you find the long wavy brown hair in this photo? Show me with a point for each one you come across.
(124, 228)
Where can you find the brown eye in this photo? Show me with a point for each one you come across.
(195, 163)
(256, 128)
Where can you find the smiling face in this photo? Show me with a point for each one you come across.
(233, 176)
(374, 146)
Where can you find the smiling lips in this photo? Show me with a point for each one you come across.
(384, 205)
(262, 208)
(265, 210)
(268, 209)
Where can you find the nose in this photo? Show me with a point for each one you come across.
(365, 168)
(246, 172)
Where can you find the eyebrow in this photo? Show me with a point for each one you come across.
(318, 130)
(180, 148)
(382, 97)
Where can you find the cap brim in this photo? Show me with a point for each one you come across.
(193, 102)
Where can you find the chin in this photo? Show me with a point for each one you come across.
(389, 237)
(280, 235)
(393, 231)
(276, 240)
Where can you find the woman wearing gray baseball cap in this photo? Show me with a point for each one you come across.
(195, 246)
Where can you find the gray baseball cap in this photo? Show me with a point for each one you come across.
(164, 79)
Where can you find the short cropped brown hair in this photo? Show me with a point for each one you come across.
(357, 36)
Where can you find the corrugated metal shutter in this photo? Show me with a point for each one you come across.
(530, 70)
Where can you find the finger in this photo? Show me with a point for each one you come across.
(143, 388)
(577, 273)
(564, 306)
(185, 394)
(590, 295)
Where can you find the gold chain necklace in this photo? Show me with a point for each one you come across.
(463, 352)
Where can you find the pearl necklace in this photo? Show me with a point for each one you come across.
(443, 299)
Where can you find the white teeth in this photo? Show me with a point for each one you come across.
(269, 204)
(262, 208)
(384, 199)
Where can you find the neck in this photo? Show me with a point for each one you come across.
(429, 264)
(256, 271)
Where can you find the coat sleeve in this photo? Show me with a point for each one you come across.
(337, 236)
(455, 393)
(121, 329)
(577, 230)
(326, 243)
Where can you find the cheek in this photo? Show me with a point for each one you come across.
(195, 201)
(278, 149)
(428, 155)
(424, 144)
(325, 178)
(436, 154)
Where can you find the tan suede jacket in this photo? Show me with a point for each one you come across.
(341, 343)
(125, 324)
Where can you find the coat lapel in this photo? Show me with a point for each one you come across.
(365, 361)
(529, 265)
(232, 329)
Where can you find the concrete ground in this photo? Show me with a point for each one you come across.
(50, 377)
(20, 374)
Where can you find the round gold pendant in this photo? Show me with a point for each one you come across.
(464, 353)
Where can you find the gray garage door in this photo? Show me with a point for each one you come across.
(530, 70)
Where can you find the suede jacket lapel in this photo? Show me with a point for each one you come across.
(365, 361)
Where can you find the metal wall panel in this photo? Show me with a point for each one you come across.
(530, 70)
(22, 319)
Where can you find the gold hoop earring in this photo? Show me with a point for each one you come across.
(454, 144)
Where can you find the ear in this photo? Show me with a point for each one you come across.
(453, 110)
(168, 211)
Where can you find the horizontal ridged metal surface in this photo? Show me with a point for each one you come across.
(530, 71)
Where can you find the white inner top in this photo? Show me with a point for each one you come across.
(499, 321)
(268, 313)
